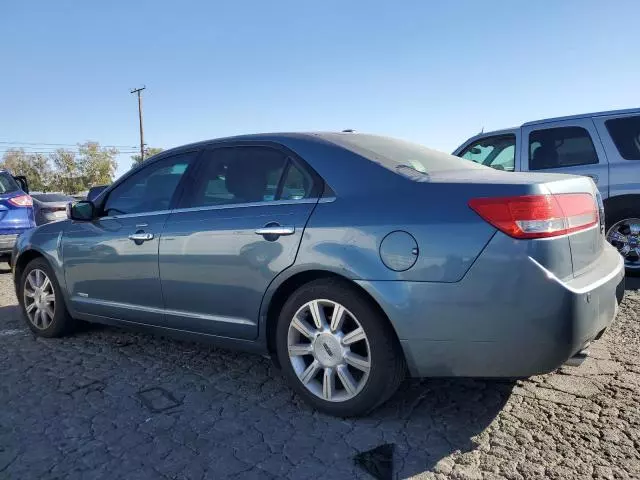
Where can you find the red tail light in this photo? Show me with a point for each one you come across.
(21, 201)
(538, 216)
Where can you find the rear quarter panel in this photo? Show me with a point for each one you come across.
(345, 236)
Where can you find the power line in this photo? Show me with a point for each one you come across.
(61, 144)
(54, 149)
(46, 152)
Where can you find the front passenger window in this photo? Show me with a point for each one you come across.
(497, 152)
(150, 189)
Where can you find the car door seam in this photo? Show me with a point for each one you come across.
(295, 258)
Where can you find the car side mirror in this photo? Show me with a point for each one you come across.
(82, 211)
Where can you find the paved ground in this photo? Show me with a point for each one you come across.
(111, 404)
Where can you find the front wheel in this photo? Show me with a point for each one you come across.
(337, 350)
(41, 300)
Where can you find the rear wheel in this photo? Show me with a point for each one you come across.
(623, 232)
(41, 300)
(337, 350)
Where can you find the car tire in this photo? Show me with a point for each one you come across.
(39, 291)
(354, 390)
(616, 217)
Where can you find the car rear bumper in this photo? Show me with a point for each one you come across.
(6, 243)
(509, 317)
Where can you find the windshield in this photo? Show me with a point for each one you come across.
(8, 184)
(52, 197)
(393, 154)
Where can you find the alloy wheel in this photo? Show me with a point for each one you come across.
(39, 299)
(329, 350)
(625, 236)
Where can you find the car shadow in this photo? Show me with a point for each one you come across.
(439, 417)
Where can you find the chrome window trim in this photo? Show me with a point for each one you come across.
(250, 204)
(133, 215)
(223, 207)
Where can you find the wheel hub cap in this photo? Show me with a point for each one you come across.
(329, 350)
(625, 236)
(39, 299)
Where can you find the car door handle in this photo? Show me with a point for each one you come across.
(593, 177)
(141, 237)
(276, 230)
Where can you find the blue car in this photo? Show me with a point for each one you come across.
(16, 211)
(352, 260)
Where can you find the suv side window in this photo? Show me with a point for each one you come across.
(498, 152)
(560, 147)
(625, 133)
(234, 175)
(150, 189)
(7, 183)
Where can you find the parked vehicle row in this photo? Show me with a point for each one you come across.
(604, 146)
(353, 260)
(21, 210)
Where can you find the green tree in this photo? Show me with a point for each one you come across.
(148, 153)
(67, 176)
(34, 166)
(96, 165)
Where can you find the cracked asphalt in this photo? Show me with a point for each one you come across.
(106, 403)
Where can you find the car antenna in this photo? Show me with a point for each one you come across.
(481, 130)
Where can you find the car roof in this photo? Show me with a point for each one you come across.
(278, 137)
(558, 119)
(585, 115)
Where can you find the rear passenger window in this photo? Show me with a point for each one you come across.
(297, 184)
(233, 175)
(560, 147)
(625, 133)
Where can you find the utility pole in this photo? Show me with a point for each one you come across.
(139, 91)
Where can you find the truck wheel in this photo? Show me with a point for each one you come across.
(623, 232)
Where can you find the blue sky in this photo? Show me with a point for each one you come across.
(427, 71)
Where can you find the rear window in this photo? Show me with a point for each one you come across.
(52, 197)
(625, 133)
(8, 184)
(397, 155)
